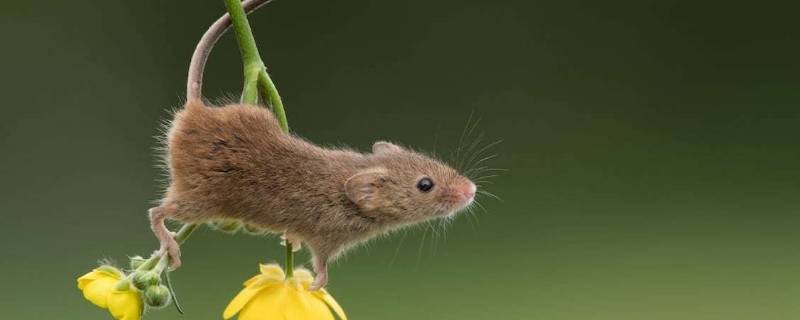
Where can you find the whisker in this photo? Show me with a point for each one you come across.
(435, 141)
(433, 238)
(397, 250)
(445, 224)
(474, 125)
(478, 137)
(479, 152)
(421, 246)
(483, 169)
(487, 177)
(437, 239)
(488, 171)
(471, 214)
(475, 216)
(469, 129)
(484, 159)
(475, 170)
(461, 139)
(479, 205)
(469, 150)
(487, 193)
(468, 211)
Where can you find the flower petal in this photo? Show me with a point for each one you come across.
(243, 298)
(96, 274)
(97, 290)
(88, 278)
(272, 271)
(331, 302)
(125, 305)
(302, 305)
(303, 277)
(252, 280)
(269, 303)
(269, 272)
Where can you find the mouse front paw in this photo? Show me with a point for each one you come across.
(292, 240)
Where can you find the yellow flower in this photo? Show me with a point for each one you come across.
(100, 286)
(270, 295)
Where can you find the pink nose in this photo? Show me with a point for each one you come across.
(468, 190)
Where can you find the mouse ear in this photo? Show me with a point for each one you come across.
(383, 146)
(363, 188)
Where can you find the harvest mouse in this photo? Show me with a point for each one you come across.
(235, 162)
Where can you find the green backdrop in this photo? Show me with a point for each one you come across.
(652, 149)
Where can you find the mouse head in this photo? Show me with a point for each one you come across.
(402, 186)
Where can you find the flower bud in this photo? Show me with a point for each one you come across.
(145, 279)
(157, 296)
(136, 262)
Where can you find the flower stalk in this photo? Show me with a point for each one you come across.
(255, 71)
(289, 265)
(255, 78)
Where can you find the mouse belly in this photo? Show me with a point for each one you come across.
(208, 188)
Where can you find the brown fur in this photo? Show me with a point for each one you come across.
(234, 162)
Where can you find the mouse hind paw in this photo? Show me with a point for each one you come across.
(173, 249)
(320, 281)
(167, 242)
(321, 273)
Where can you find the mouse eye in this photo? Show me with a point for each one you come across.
(425, 184)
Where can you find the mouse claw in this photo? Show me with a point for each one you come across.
(174, 254)
(168, 245)
(319, 282)
(174, 258)
(321, 274)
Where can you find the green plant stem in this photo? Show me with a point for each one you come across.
(181, 236)
(247, 47)
(185, 231)
(268, 89)
(289, 259)
(255, 78)
(163, 261)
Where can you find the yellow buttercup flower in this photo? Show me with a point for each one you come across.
(107, 289)
(270, 295)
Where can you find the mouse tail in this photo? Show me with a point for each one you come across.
(194, 83)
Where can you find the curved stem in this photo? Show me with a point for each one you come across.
(194, 81)
(185, 231)
(255, 78)
(269, 90)
(247, 47)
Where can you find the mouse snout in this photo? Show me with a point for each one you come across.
(467, 190)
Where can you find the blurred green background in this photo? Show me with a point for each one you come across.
(652, 149)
